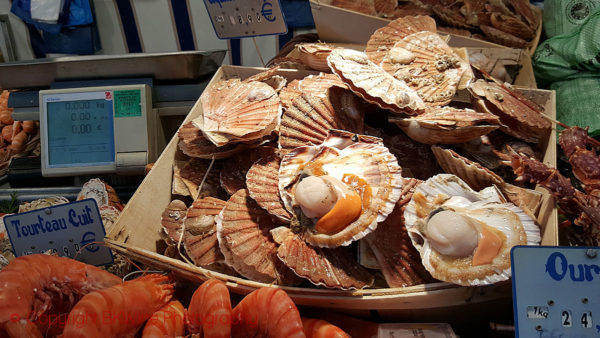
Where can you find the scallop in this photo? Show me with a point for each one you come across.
(428, 65)
(384, 38)
(262, 181)
(315, 55)
(464, 236)
(243, 233)
(194, 144)
(332, 268)
(447, 125)
(360, 182)
(238, 111)
(200, 238)
(372, 83)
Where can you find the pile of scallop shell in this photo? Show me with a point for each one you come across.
(365, 170)
(511, 23)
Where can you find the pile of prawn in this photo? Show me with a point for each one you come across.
(18, 137)
(49, 296)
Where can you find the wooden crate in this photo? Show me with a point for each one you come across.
(136, 234)
(336, 24)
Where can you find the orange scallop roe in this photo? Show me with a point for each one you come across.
(489, 245)
(360, 186)
(345, 211)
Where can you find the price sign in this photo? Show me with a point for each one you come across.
(245, 18)
(556, 291)
(69, 230)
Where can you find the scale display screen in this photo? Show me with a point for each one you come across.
(80, 133)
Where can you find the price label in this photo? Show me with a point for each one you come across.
(245, 18)
(556, 291)
(71, 230)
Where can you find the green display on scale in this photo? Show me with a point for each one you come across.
(80, 132)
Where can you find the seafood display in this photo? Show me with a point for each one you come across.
(510, 23)
(339, 193)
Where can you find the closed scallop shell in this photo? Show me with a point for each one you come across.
(318, 85)
(450, 17)
(42, 203)
(234, 111)
(262, 181)
(475, 175)
(331, 268)
(196, 171)
(315, 55)
(172, 221)
(101, 192)
(447, 125)
(193, 143)
(233, 173)
(512, 25)
(361, 6)
(384, 38)
(243, 232)
(519, 116)
(310, 118)
(503, 38)
(398, 260)
(385, 8)
(372, 83)
(200, 240)
(289, 93)
(370, 161)
(428, 65)
(486, 207)
(479, 177)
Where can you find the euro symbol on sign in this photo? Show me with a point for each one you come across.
(89, 237)
(267, 11)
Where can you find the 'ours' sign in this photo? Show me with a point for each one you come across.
(558, 268)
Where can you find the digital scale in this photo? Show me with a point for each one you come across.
(96, 130)
(556, 291)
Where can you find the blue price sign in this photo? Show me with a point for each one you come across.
(70, 230)
(556, 291)
(245, 18)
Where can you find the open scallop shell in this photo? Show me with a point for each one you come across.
(233, 174)
(310, 118)
(370, 161)
(520, 117)
(234, 111)
(398, 260)
(479, 177)
(384, 38)
(331, 268)
(193, 143)
(372, 83)
(315, 55)
(503, 38)
(428, 65)
(450, 192)
(262, 181)
(200, 239)
(447, 125)
(243, 231)
(193, 173)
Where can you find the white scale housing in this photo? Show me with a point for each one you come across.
(97, 130)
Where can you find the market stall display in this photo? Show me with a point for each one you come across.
(270, 232)
(514, 24)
